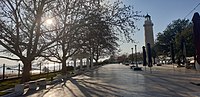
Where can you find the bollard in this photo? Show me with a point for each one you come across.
(19, 70)
(40, 68)
(3, 71)
(54, 68)
(68, 64)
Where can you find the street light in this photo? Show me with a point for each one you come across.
(136, 55)
(136, 68)
(132, 56)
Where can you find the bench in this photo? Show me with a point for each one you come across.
(42, 82)
(34, 84)
(18, 91)
(19, 88)
(59, 78)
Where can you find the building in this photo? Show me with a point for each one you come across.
(148, 28)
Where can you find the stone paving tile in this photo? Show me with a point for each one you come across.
(116, 80)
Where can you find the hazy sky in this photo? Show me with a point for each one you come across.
(162, 12)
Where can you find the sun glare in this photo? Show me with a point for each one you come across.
(49, 21)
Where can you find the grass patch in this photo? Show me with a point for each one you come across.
(9, 84)
(48, 76)
(4, 93)
(12, 82)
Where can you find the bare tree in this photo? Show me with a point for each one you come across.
(121, 19)
(101, 39)
(107, 23)
(23, 32)
(72, 18)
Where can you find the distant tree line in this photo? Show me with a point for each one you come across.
(126, 58)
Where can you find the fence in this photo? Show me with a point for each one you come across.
(7, 72)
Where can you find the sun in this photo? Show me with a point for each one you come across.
(49, 21)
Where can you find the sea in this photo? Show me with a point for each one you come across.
(14, 68)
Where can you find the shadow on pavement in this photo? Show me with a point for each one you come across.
(43, 90)
(166, 84)
(81, 88)
(102, 89)
(30, 92)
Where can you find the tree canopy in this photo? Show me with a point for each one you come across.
(77, 25)
(175, 33)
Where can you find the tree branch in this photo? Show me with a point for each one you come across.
(3, 57)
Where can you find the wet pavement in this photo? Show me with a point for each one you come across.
(117, 80)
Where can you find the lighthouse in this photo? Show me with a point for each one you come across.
(148, 31)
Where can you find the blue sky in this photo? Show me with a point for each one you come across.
(162, 12)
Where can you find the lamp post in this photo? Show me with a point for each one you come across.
(136, 68)
(54, 68)
(132, 56)
(19, 70)
(136, 55)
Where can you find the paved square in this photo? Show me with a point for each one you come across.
(117, 80)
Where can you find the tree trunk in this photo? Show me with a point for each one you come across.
(97, 57)
(96, 60)
(26, 71)
(64, 67)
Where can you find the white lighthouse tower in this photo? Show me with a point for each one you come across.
(148, 28)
